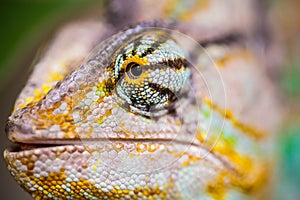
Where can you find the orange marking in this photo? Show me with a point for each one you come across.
(251, 131)
(101, 119)
(40, 93)
(222, 62)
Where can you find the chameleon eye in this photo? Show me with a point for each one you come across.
(151, 74)
(133, 70)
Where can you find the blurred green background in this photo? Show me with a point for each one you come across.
(25, 24)
(287, 17)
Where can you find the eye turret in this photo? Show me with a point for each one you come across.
(151, 73)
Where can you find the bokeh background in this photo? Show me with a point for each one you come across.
(26, 24)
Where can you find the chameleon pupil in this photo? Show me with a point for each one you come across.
(133, 70)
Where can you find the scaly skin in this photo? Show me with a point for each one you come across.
(146, 115)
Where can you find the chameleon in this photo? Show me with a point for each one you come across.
(176, 108)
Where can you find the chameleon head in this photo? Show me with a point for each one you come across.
(151, 74)
(100, 115)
